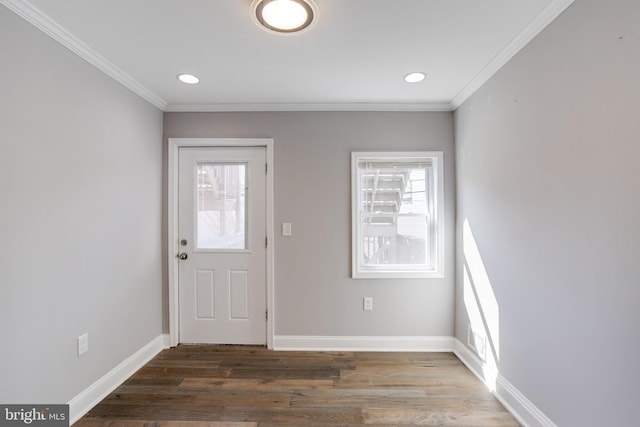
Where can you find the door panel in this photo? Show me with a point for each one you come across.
(221, 221)
(205, 294)
(239, 294)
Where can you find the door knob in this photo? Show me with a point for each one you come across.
(183, 255)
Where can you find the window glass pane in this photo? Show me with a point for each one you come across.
(415, 194)
(221, 205)
(394, 213)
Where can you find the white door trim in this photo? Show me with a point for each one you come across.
(172, 224)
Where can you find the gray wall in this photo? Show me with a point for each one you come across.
(549, 184)
(80, 218)
(313, 289)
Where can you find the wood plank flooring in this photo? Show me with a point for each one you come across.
(244, 386)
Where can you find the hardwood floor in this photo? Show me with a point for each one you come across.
(238, 386)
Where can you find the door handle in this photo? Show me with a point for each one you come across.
(183, 255)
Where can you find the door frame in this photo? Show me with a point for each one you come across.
(172, 224)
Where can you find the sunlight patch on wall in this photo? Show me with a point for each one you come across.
(481, 307)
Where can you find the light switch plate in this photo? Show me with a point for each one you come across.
(286, 229)
(83, 344)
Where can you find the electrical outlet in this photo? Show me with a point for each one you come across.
(367, 304)
(286, 229)
(83, 344)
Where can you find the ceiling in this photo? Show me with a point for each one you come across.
(354, 58)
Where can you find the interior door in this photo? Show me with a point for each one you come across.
(222, 239)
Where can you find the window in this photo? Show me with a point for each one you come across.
(220, 220)
(397, 214)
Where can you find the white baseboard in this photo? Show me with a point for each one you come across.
(513, 400)
(166, 341)
(92, 395)
(381, 343)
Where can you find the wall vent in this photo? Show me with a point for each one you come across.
(477, 342)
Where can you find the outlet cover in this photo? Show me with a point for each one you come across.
(83, 344)
(367, 304)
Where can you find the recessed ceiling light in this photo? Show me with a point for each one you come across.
(188, 78)
(284, 16)
(414, 77)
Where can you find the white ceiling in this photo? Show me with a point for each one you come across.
(354, 58)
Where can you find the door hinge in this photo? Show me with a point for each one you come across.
(266, 168)
(266, 241)
(266, 315)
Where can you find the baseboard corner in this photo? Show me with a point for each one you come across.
(166, 341)
(525, 412)
(92, 395)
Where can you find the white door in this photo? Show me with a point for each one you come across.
(222, 239)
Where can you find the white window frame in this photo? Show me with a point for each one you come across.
(436, 219)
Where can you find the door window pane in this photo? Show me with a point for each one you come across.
(221, 205)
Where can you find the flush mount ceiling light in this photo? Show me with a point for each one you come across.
(188, 78)
(414, 77)
(284, 16)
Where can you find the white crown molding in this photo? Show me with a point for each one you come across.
(357, 343)
(92, 395)
(38, 19)
(307, 106)
(521, 408)
(539, 23)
